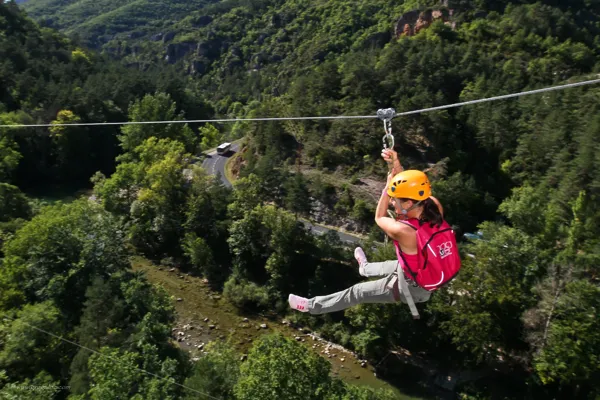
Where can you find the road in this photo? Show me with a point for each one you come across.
(320, 230)
(215, 163)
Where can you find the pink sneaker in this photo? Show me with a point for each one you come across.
(298, 303)
(360, 256)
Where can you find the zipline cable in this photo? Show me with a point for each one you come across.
(400, 114)
(502, 97)
(170, 380)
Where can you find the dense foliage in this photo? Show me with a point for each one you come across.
(273, 58)
(44, 78)
(522, 172)
(97, 22)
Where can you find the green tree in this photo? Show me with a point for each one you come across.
(206, 218)
(216, 373)
(297, 198)
(482, 307)
(270, 174)
(156, 212)
(247, 194)
(562, 327)
(210, 137)
(102, 312)
(462, 200)
(362, 213)
(9, 157)
(291, 257)
(569, 352)
(270, 246)
(322, 191)
(13, 203)
(157, 107)
(345, 202)
(200, 255)
(151, 192)
(57, 254)
(248, 240)
(149, 318)
(115, 374)
(26, 351)
(71, 145)
(520, 206)
(120, 190)
(267, 374)
(46, 388)
(245, 294)
(346, 391)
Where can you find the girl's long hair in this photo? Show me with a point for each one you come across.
(431, 213)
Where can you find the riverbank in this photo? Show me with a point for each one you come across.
(204, 316)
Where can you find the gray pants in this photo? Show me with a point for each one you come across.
(383, 290)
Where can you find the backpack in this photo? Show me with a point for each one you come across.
(438, 260)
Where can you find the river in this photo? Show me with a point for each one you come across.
(203, 316)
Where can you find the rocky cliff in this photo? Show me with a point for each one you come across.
(414, 21)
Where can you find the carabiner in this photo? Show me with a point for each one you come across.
(386, 116)
(388, 138)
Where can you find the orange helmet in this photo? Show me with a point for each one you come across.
(411, 184)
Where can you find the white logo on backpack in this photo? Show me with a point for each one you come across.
(445, 249)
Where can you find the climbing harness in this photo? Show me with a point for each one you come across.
(403, 287)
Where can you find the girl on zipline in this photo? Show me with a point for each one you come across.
(410, 194)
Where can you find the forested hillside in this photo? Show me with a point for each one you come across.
(99, 21)
(43, 78)
(523, 312)
(297, 58)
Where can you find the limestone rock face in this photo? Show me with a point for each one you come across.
(414, 21)
(176, 51)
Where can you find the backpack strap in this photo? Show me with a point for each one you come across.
(412, 222)
(403, 285)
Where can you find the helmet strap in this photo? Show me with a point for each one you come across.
(407, 210)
